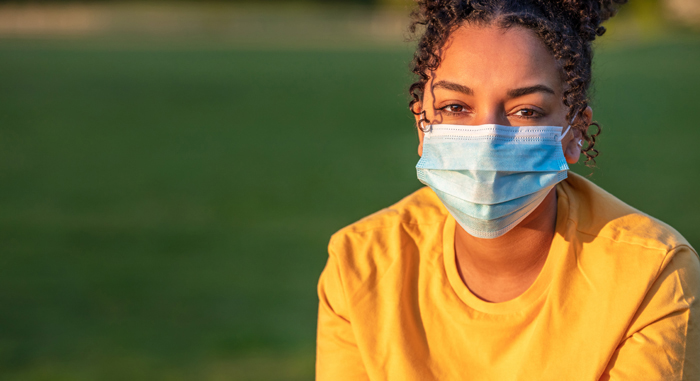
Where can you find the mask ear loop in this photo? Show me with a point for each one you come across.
(422, 126)
(567, 129)
(580, 141)
(564, 133)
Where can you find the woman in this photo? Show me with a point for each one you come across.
(507, 267)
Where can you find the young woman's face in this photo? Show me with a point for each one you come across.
(490, 75)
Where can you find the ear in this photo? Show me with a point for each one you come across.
(572, 146)
(417, 108)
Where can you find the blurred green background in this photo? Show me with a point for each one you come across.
(171, 172)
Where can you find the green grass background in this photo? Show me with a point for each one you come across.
(164, 214)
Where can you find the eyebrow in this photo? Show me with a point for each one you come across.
(529, 90)
(454, 87)
(515, 93)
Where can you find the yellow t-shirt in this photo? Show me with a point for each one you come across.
(615, 300)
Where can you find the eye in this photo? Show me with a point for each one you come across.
(455, 108)
(527, 113)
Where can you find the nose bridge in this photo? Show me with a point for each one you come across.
(491, 112)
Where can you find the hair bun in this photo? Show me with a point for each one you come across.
(587, 15)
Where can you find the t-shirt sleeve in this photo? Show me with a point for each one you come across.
(663, 342)
(337, 355)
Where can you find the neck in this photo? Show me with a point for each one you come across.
(502, 268)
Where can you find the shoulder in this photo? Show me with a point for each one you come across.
(629, 268)
(367, 248)
(602, 216)
(420, 207)
(630, 247)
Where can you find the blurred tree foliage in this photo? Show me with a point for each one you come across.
(247, 2)
(635, 8)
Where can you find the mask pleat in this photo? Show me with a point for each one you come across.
(491, 177)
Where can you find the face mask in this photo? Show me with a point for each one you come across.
(491, 177)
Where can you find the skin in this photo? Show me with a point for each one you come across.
(490, 75)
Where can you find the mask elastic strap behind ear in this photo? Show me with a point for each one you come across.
(567, 128)
(564, 133)
(425, 128)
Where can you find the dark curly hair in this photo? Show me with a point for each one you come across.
(566, 27)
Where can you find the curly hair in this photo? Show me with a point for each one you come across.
(566, 27)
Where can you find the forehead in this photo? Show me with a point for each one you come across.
(494, 57)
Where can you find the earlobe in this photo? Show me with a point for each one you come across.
(572, 150)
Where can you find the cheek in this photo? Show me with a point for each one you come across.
(563, 112)
(420, 142)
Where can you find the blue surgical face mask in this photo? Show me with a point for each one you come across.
(490, 177)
